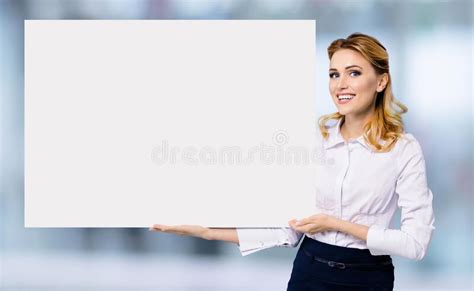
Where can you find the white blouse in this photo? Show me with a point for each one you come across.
(356, 184)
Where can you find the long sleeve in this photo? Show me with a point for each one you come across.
(252, 240)
(417, 217)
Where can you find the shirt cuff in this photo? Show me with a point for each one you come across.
(375, 240)
(250, 240)
(253, 240)
(246, 252)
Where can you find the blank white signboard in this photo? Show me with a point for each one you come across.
(131, 123)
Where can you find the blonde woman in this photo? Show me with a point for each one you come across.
(371, 166)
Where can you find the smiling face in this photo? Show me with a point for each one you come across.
(354, 83)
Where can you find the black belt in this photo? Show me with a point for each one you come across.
(339, 265)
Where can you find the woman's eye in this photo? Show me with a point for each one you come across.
(355, 73)
(352, 74)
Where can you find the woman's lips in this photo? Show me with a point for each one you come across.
(344, 98)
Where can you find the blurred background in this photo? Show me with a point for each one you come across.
(430, 46)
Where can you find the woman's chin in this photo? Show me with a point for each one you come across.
(343, 111)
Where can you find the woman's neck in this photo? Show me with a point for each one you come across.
(353, 127)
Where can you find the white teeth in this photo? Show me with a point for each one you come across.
(345, 97)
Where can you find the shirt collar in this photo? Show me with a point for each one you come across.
(335, 137)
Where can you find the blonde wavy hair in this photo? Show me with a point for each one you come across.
(386, 123)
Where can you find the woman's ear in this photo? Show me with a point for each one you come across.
(382, 82)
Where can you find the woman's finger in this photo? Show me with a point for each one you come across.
(185, 230)
(158, 226)
(172, 229)
(168, 227)
(176, 229)
(307, 228)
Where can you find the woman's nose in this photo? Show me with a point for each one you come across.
(342, 83)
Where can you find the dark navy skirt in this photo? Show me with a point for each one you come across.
(321, 266)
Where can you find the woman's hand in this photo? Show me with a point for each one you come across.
(316, 223)
(323, 222)
(184, 230)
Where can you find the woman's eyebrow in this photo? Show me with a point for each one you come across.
(348, 67)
